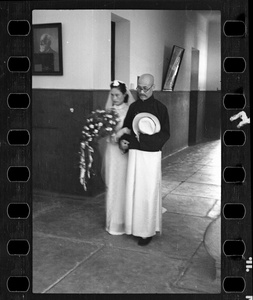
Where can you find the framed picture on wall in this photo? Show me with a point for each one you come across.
(47, 49)
(173, 69)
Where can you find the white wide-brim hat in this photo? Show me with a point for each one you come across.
(146, 123)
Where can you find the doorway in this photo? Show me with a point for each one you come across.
(194, 83)
(120, 49)
(195, 70)
(113, 26)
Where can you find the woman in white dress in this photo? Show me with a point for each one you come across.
(115, 163)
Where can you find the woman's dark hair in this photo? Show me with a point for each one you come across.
(120, 85)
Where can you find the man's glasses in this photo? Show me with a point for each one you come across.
(144, 89)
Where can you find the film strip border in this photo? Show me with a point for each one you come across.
(236, 163)
(16, 151)
(236, 262)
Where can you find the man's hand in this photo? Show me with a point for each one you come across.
(124, 145)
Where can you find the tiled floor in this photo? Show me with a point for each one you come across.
(72, 253)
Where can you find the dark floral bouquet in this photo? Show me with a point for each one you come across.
(99, 124)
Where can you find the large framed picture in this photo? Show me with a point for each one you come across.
(173, 69)
(47, 49)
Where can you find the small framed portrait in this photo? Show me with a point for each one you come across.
(47, 49)
(173, 69)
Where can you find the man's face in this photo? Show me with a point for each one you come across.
(144, 89)
(44, 45)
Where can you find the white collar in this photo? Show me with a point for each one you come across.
(121, 106)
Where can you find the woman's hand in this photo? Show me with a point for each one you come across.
(114, 138)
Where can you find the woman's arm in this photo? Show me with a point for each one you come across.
(121, 132)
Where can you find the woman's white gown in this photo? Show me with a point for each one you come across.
(115, 164)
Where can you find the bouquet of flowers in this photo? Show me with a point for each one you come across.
(100, 123)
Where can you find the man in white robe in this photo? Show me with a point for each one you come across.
(143, 215)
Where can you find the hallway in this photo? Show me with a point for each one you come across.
(72, 253)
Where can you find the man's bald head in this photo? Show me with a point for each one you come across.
(146, 79)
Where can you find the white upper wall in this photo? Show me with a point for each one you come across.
(86, 39)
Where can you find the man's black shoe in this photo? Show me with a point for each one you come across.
(144, 242)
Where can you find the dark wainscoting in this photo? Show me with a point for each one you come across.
(204, 116)
(213, 103)
(57, 131)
